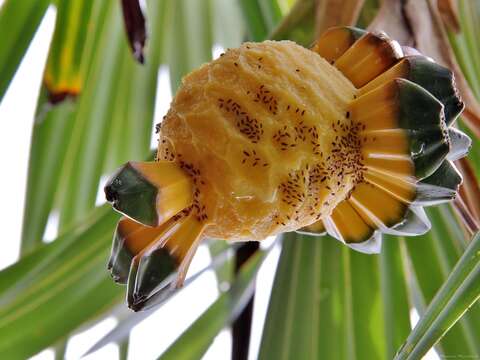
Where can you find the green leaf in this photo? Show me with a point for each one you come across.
(227, 23)
(185, 49)
(396, 307)
(87, 148)
(363, 306)
(19, 21)
(474, 153)
(292, 323)
(194, 342)
(51, 136)
(443, 245)
(368, 13)
(115, 77)
(52, 295)
(22, 274)
(132, 126)
(123, 350)
(63, 73)
(223, 273)
(257, 27)
(128, 321)
(49, 139)
(325, 303)
(298, 25)
(271, 12)
(455, 297)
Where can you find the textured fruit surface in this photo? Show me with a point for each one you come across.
(264, 132)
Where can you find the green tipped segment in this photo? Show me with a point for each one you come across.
(120, 259)
(400, 104)
(132, 302)
(440, 187)
(437, 80)
(149, 274)
(150, 192)
(404, 106)
(133, 195)
(421, 114)
(162, 264)
(434, 78)
(129, 239)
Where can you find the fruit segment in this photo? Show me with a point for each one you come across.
(377, 207)
(335, 41)
(368, 57)
(401, 104)
(130, 238)
(440, 187)
(164, 262)
(348, 225)
(436, 79)
(150, 192)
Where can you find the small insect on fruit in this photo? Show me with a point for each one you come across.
(349, 137)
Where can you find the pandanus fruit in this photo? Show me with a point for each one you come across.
(351, 138)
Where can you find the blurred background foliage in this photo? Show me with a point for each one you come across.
(95, 111)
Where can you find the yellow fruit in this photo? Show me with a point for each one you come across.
(266, 126)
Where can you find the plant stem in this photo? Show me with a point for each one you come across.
(241, 327)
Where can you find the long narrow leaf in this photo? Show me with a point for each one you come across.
(443, 245)
(124, 92)
(131, 319)
(325, 303)
(86, 153)
(185, 49)
(257, 27)
(363, 306)
(271, 12)
(54, 302)
(63, 73)
(394, 295)
(227, 23)
(131, 130)
(298, 25)
(194, 342)
(19, 21)
(459, 292)
(51, 136)
(25, 272)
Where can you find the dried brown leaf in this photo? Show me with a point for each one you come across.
(469, 191)
(135, 27)
(390, 19)
(449, 12)
(471, 225)
(336, 13)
